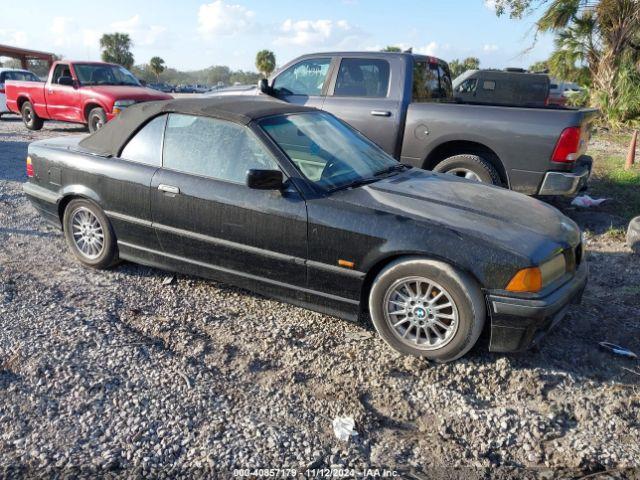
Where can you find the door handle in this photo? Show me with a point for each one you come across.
(168, 188)
(381, 113)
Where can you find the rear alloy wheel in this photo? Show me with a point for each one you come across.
(97, 119)
(426, 308)
(30, 118)
(89, 234)
(471, 167)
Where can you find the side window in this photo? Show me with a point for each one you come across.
(61, 70)
(146, 145)
(362, 77)
(468, 86)
(489, 85)
(446, 88)
(304, 78)
(213, 148)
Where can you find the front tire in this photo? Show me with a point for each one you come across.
(471, 167)
(30, 118)
(426, 308)
(89, 234)
(97, 119)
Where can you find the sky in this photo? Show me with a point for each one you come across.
(192, 34)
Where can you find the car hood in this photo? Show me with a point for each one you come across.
(520, 224)
(124, 92)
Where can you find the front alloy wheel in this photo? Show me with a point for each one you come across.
(427, 308)
(422, 313)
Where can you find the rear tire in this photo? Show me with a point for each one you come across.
(470, 166)
(97, 119)
(426, 308)
(30, 118)
(89, 234)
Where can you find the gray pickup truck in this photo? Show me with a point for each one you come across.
(404, 102)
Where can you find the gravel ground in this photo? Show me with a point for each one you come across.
(119, 371)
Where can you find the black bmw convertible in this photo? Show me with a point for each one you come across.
(291, 202)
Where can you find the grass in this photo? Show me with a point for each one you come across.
(611, 180)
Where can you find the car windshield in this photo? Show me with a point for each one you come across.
(327, 151)
(100, 74)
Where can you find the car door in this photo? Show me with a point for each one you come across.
(205, 215)
(360, 94)
(305, 82)
(63, 101)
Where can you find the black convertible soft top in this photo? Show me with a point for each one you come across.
(111, 138)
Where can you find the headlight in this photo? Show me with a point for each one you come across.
(121, 104)
(534, 279)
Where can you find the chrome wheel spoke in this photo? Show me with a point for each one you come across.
(420, 313)
(87, 233)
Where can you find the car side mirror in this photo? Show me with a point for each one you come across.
(264, 179)
(263, 86)
(67, 81)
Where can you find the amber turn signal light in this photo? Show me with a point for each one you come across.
(526, 280)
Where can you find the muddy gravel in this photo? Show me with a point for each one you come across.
(125, 372)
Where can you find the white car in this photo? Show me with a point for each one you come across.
(13, 74)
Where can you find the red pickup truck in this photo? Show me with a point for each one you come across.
(91, 93)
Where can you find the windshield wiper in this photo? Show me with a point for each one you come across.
(398, 167)
(355, 184)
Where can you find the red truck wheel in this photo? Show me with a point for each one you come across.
(97, 119)
(30, 118)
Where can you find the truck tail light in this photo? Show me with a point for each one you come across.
(29, 168)
(568, 145)
(2, 88)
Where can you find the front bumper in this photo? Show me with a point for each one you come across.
(518, 323)
(567, 183)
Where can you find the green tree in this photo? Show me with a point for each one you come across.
(391, 48)
(541, 66)
(597, 42)
(157, 66)
(265, 62)
(116, 48)
(458, 67)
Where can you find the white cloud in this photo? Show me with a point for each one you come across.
(307, 33)
(220, 18)
(61, 29)
(490, 4)
(428, 49)
(490, 47)
(14, 38)
(141, 35)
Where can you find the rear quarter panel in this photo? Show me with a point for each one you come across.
(119, 187)
(522, 138)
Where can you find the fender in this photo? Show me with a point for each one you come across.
(465, 137)
(94, 101)
(79, 191)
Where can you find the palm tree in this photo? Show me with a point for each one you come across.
(157, 66)
(601, 37)
(265, 62)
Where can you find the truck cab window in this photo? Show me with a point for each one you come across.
(362, 77)
(61, 70)
(304, 78)
(431, 81)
